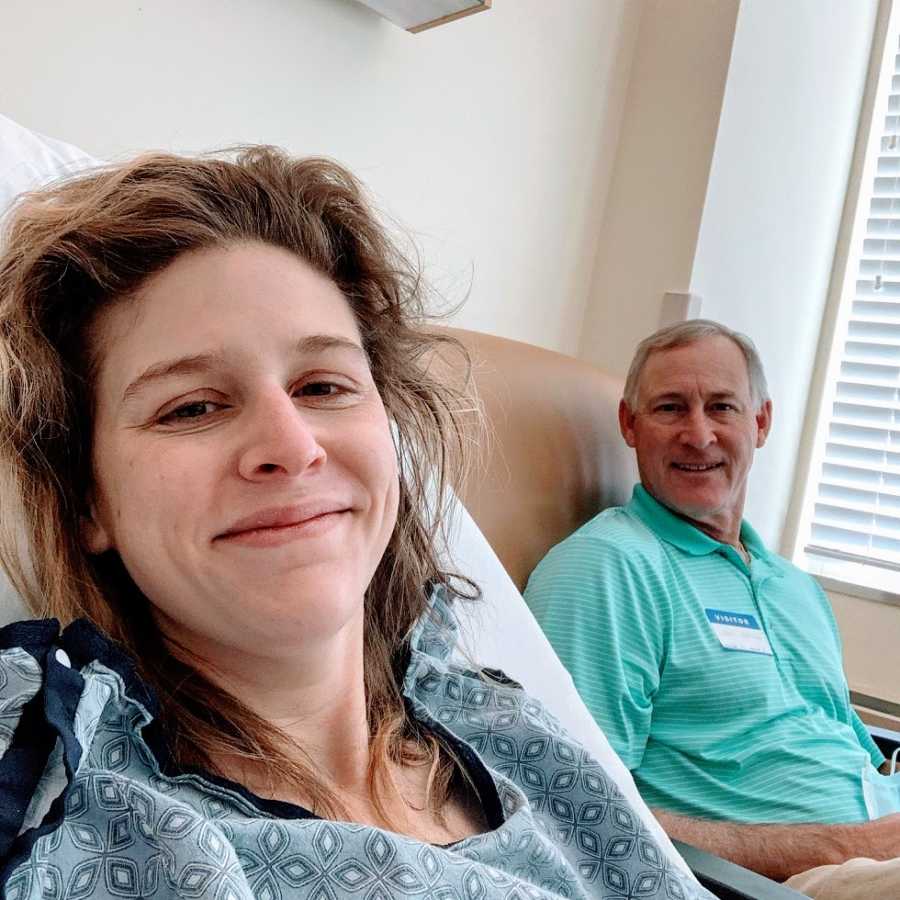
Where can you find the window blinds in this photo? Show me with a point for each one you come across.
(856, 516)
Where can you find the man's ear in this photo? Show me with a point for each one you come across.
(94, 537)
(763, 423)
(626, 422)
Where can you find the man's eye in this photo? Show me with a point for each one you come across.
(667, 408)
(188, 412)
(724, 407)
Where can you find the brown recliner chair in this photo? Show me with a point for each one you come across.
(553, 456)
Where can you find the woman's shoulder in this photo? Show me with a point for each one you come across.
(34, 648)
(45, 673)
(460, 695)
(23, 650)
(31, 635)
(24, 647)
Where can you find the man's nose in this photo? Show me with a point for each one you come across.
(697, 430)
(280, 439)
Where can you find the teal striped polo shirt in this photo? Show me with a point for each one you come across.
(628, 602)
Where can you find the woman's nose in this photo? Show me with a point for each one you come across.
(280, 440)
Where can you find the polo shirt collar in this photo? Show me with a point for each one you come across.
(752, 541)
(681, 534)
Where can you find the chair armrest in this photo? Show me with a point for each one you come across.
(729, 881)
(888, 741)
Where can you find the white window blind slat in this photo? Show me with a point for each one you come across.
(863, 457)
(852, 409)
(859, 474)
(874, 374)
(851, 414)
(865, 436)
(868, 331)
(859, 519)
(865, 395)
(861, 352)
(857, 497)
(833, 552)
(888, 269)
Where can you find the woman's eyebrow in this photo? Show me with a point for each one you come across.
(203, 362)
(316, 343)
(185, 365)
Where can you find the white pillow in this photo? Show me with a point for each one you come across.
(11, 607)
(28, 160)
(500, 632)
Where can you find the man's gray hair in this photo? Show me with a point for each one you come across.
(683, 333)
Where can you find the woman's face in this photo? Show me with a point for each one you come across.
(243, 463)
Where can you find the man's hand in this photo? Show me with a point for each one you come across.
(779, 851)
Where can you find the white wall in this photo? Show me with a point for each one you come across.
(490, 138)
(774, 201)
(652, 215)
(869, 631)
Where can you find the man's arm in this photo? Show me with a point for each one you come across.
(779, 851)
(589, 597)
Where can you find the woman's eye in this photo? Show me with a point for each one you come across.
(319, 389)
(188, 412)
(331, 391)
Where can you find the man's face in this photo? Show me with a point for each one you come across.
(695, 430)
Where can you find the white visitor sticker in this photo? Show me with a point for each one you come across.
(738, 631)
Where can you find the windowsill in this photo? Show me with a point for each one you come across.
(852, 578)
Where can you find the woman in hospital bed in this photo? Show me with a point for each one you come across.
(218, 428)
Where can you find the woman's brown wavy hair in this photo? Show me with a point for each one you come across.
(72, 251)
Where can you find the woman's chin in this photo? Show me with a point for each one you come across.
(316, 613)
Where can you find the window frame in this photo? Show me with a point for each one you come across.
(855, 579)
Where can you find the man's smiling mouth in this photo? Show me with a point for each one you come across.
(697, 467)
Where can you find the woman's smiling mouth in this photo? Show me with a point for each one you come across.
(278, 525)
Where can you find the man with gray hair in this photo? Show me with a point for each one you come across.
(713, 665)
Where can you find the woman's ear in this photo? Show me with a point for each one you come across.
(94, 536)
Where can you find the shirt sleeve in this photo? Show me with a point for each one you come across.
(589, 596)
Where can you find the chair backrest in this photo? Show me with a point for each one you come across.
(553, 458)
